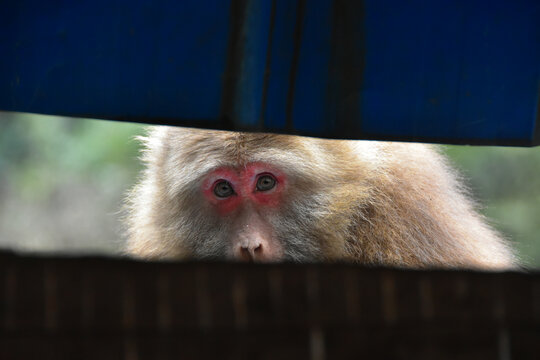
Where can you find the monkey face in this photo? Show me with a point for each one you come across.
(246, 198)
(251, 197)
(252, 215)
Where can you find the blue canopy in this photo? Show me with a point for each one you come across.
(445, 71)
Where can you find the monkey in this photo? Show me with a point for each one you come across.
(260, 197)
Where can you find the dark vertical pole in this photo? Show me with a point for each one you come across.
(292, 75)
(346, 67)
(267, 65)
(235, 49)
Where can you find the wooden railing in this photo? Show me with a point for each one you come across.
(100, 308)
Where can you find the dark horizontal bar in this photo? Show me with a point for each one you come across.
(454, 72)
(121, 307)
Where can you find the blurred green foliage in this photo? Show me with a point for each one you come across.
(42, 156)
(62, 181)
(35, 150)
(506, 181)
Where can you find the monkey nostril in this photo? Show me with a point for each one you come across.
(245, 254)
(250, 252)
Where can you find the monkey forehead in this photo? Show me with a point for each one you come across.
(206, 149)
(189, 154)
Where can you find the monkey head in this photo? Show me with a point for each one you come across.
(254, 197)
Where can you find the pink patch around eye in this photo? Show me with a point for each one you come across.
(227, 204)
(244, 184)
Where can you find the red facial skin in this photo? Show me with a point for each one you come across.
(253, 237)
(244, 183)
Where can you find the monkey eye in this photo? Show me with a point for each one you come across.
(223, 189)
(265, 183)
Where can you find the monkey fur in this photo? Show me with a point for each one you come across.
(367, 202)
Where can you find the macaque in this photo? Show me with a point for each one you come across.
(265, 197)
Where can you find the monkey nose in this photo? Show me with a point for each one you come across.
(251, 252)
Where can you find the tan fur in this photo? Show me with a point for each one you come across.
(377, 203)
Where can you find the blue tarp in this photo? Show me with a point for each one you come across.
(447, 71)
